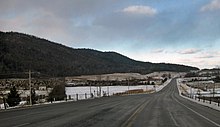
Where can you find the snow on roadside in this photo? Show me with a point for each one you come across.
(160, 87)
(206, 103)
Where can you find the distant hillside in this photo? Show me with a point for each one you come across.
(21, 52)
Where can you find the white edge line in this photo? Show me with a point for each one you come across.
(204, 104)
(24, 124)
(195, 111)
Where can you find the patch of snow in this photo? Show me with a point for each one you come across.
(206, 103)
(2, 106)
(84, 91)
(109, 90)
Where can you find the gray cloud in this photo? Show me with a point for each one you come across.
(189, 51)
(207, 56)
(64, 8)
(158, 51)
(101, 23)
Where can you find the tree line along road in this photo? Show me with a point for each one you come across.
(162, 109)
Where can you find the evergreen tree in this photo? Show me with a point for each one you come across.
(13, 97)
(217, 79)
(58, 93)
(164, 80)
(152, 83)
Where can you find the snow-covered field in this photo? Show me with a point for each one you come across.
(109, 90)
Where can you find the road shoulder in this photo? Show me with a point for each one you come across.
(212, 105)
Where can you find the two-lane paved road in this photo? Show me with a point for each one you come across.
(163, 109)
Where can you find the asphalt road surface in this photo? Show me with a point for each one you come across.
(162, 109)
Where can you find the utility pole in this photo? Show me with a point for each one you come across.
(30, 86)
(107, 79)
(191, 96)
(100, 83)
(198, 90)
(146, 83)
(90, 89)
(128, 84)
(97, 88)
(213, 90)
(100, 91)
(108, 90)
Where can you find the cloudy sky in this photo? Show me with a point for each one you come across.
(171, 31)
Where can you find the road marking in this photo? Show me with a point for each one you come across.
(24, 124)
(128, 122)
(173, 119)
(216, 124)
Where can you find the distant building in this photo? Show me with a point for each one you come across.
(43, 88)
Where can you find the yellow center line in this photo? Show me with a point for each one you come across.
(130, 120)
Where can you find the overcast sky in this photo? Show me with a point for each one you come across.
(171, 31)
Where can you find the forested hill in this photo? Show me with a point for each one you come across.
(20, 52)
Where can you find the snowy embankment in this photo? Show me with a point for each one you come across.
(184, 88)
(160, 87)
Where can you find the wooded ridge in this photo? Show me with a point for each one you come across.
(20, 52)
